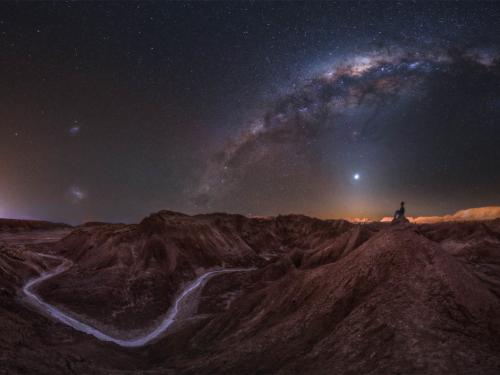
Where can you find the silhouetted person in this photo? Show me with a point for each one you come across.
(401, 212)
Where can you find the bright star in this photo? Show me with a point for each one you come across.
(356, 176)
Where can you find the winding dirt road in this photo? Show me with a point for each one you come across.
(34, 299)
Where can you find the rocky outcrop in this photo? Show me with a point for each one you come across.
(400, 220)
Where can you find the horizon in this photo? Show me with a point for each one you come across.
(251, 216)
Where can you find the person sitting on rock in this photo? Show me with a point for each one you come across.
(400, 214)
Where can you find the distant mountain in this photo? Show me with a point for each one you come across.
(480, 213)
(15, 225)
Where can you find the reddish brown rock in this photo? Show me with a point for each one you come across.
(326, 297)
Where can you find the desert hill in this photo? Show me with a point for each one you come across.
(326, 296)
(396, 303)
(155, 257)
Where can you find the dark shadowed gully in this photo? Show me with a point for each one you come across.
(324, 297)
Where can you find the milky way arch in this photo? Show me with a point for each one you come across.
(293, 121)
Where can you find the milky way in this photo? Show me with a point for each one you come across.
(368, 82)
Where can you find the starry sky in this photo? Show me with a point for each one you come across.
(112, 110)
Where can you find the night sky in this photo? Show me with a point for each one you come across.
(111, 111)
